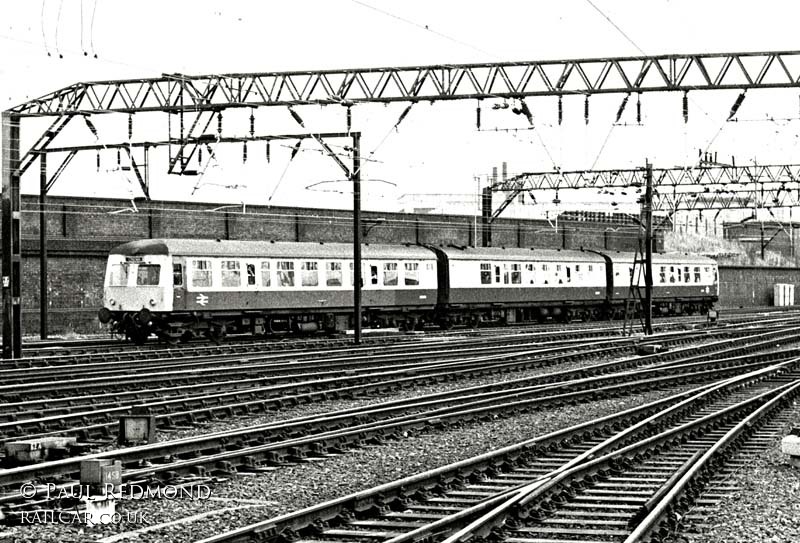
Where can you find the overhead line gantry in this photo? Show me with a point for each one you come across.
(200, 97)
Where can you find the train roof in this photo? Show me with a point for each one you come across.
(664, 258)
(515, 253)
(268, 249)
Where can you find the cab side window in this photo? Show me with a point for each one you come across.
(177, 275)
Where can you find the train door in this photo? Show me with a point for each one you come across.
(371, 274)
(250, 276)
(253, 275)
(178, 283)
(501, 274)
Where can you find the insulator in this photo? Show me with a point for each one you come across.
(91, 126)
(252, 123)
(297, 117)
(639, 108)
(403, 115)
(685, 107)
(219, 123)
(736, 105)
(560, 109)
(199, 155)
(478, 116)
(622, 107)
(267, 151)
(244, 152)
(586, 109)
(98, 161)
(119, 158)
(130, 126)
(296, 149)
(523, 107)
(349, 118)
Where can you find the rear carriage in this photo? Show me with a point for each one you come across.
(682, 283)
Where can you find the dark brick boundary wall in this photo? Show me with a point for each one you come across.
(752, 286)
(81, 232)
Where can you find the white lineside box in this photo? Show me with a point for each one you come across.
(783, 294)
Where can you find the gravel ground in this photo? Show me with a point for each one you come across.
(767, 509)
(246, 499)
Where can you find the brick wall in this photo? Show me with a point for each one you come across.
(748, 286)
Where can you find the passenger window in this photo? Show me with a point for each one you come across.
(266, 276)
(516, 274)
(390, 274)
(308, 274)
(119, 275)
(412, 273)
(201, 273)
(177, 275)
(686, 275)
(285, 273)
(662, 274)
(591, 267)
(697, 274)
(569, 274)
(231, 273)
(333, 274)
(486, 273)
(497, 274)
(373, 275)
(251, 274)
(147, 275)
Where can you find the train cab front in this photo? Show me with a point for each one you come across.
(137, 291)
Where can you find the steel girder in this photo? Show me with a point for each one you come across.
(690, 188)
(588, 76)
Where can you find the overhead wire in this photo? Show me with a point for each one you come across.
(58, 24)
(41, 24)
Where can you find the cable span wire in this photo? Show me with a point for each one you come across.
(424, 27)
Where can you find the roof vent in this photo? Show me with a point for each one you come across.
(218, 240)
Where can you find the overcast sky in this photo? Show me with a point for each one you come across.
(437, 148)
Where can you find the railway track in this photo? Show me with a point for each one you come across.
(591, 482)
(94, 416)
(56, 351)
(270, 445)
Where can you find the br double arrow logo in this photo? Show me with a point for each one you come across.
(202, 299)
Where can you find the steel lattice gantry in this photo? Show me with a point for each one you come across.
(199, 97)
(680, 188)
(439, 82)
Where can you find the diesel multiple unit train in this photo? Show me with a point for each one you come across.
(180, 288)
